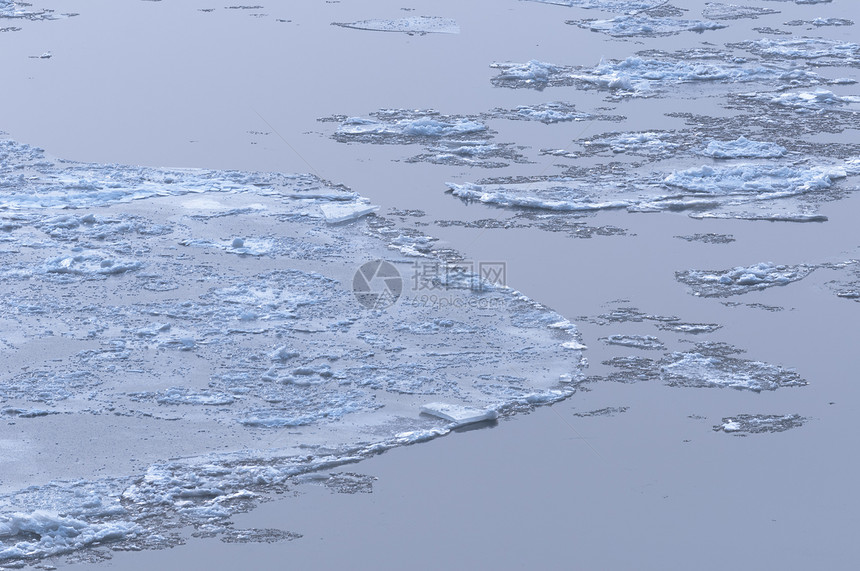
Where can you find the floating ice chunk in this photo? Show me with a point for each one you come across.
(803, 48)
(283, 353)
(26, 413)
(458, 414)
(90, 265)
(691, 328)
(832, 22)
(754, 179)
(642, 25)
(533, 71)
(19, 10)
(642, 75)
(396, 125)
(648, 143)
(820, 99)
(572, 197)
(742, 279)
(337, 212)
(821, 22)
(742, 148)
(184, 395)
(760, 423)
(696, 369)
(553, 112)
(469, 153)
(606, 5)
(719, 11)
(635, 341)
(41, 534)
(418, 25)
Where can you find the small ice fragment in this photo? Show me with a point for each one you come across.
(283, 353)
(731, 426)
(342, 212)
(573, 345)
(238, 243)
(458, 414)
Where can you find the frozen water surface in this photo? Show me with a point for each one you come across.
(199, 332)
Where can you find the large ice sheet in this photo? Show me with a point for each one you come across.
(127, 312)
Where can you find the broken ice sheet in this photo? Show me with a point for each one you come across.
(742, 148)
(647, 76)
(25, 11)
(645, 26)
(284, 355)
(552, 112)
(606, 5)
(458, 415)
(821, 22)
(470, 153)
(720, 11)
(402, 126)
(649, 143)
(709, 369)
(635, 341)
(419, 25)
(823, 51)
(741, 279)
(744, 191)
(744, 424)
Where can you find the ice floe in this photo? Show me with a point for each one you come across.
(635, 341)
(703, 370)
(396, 126)
(645, 76)
(458, 415)
(821, 22)
(744, 424)
(720, 11)
(645, 143)
(818, 100)
(553, 112)
(606, 5)
(742, 148)
(746, 190)
(648, 26)
(418, 25)
(742, 279)
(157, 319)
(751, 178)
(32, 536)
(804, 48)
(337, 212)
(25, 11)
